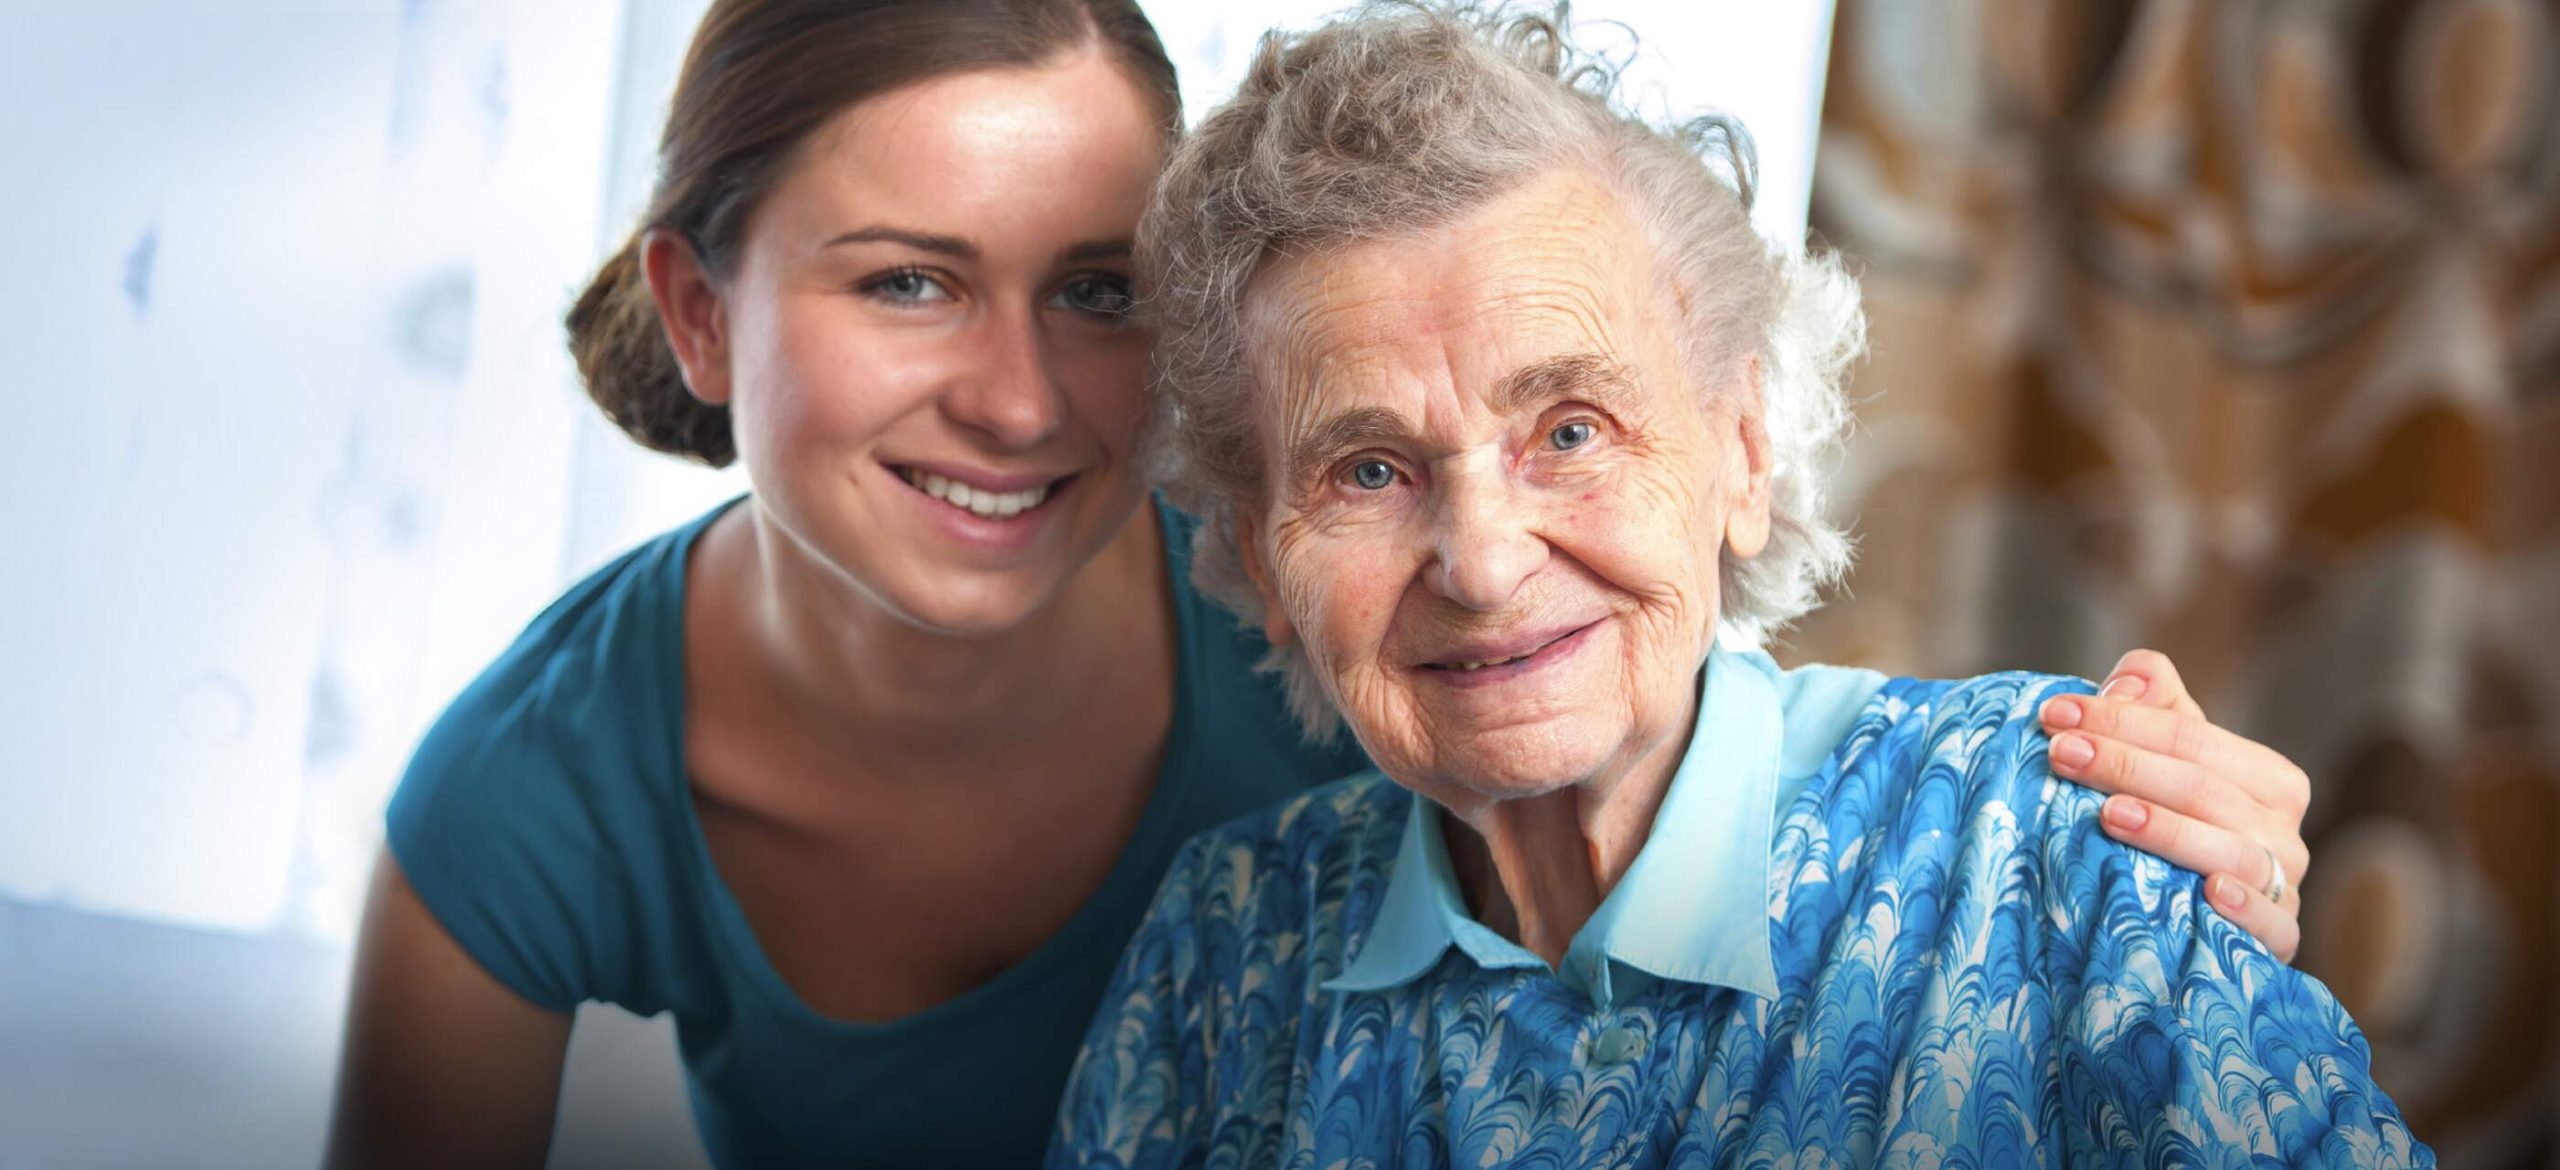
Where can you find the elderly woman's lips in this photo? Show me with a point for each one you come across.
(1483, 666)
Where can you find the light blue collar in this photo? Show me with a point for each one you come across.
(1694, 905)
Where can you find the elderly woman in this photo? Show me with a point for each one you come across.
(1508, 432)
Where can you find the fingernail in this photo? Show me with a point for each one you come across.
(2125, 686)
(2225, 892)
(2061, 713)
(2126, 813)
(2074, 751)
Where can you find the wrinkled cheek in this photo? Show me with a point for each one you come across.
(1635, 549)
(1384, 717)
(1329, 639)
(1644, 541)
(1677, 636)
(1355, 629)
(1338, 614)
(1364, 700)
(1305, 577)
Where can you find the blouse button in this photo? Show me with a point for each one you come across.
(1617, 1046)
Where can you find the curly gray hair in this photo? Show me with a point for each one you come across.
(1403, 116)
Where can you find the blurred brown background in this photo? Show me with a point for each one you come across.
(2233, 328)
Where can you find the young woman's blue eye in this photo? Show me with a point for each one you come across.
(906, 286)
(1099, 295)
(1571, 435)
(1373, 475)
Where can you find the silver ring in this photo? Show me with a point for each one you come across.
(2276, 886)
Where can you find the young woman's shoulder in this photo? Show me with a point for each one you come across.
(552, 778)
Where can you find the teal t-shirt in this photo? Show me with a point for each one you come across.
(547, 822)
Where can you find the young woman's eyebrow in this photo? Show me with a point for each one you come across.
(952, 246)
(1117, 248)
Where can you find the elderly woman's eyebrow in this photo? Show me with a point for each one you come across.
(1593, 377)
(1341, 434)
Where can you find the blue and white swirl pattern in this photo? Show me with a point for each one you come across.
(1970, 974)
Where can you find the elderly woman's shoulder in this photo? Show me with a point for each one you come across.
(1843, 715)
(1980, 731)
(1983, 705)
(1328, 827)
(1948, 766)
(1296, 866)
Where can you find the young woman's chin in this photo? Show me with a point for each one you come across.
(972, 604)
(944, 571)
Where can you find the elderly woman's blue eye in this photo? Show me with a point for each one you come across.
(1571, 435)
(1373, 475)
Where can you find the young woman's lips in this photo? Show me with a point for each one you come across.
(1478, 673)
(995, 512)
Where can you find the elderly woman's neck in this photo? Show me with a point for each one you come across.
(1535, 869)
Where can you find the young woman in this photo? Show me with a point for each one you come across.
(869, 775)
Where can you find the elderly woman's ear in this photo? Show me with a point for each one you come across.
(1275, 620)
(1746, 523)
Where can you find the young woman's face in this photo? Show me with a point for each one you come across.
(931, 375)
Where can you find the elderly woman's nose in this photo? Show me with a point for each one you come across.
(1485, 541)
(1005, 388)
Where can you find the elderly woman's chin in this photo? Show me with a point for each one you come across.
(1562, 715)
(1512, 763)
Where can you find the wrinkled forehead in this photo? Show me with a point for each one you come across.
(1553, 267)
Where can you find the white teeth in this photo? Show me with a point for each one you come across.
(1482, 665)
(979, 502)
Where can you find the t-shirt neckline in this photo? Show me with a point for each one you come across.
(734, 938)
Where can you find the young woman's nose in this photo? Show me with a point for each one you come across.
(1006, 391)
(1484, 537)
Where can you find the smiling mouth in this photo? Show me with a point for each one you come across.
(1470, 667)
(979, 502)
(1475, 666)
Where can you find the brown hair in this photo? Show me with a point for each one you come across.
(761, 77)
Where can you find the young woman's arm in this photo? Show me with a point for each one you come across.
(443, 1065)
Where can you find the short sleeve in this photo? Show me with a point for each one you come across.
(498, 845)
(2182, 1040)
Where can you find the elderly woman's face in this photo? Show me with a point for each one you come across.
(1495, 499)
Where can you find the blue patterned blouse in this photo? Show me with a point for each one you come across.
(1951, 965)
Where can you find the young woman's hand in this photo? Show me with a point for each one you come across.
(2195, 794)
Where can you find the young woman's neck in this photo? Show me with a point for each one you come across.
(860, 674)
